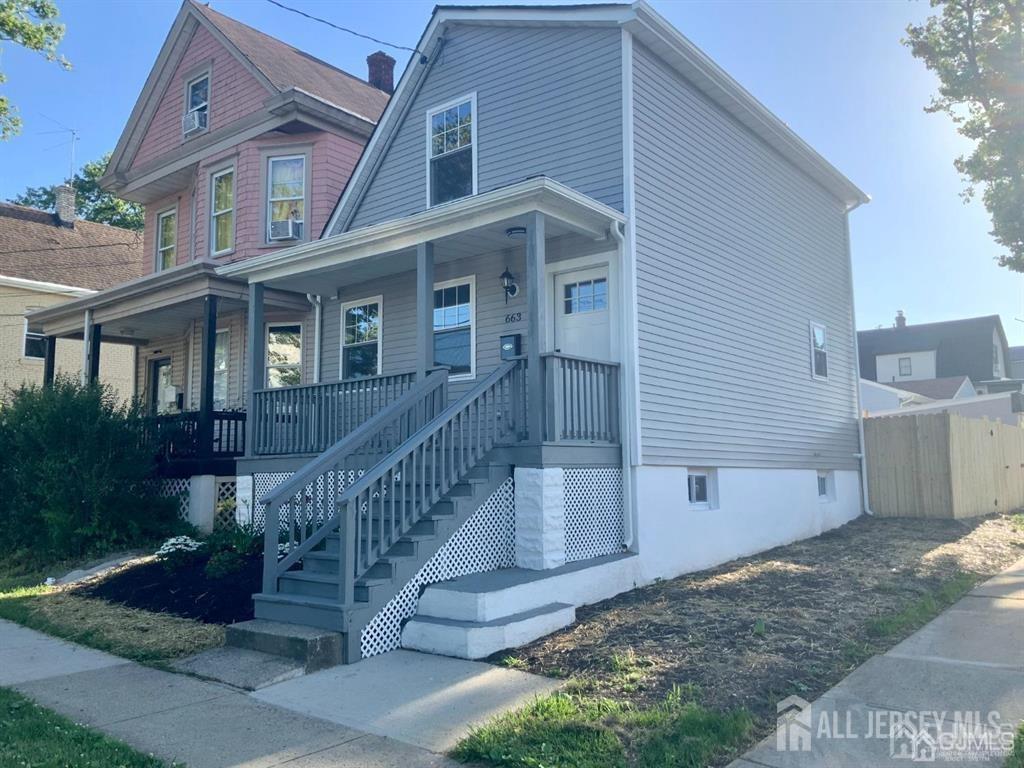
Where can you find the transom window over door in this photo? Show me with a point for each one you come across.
(286, 197)
(284, 355)
(360, 339)
(167, 238)
(451, 151)
(454, 327)
(222, 212)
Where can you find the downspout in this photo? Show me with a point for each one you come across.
(318, 319)
(192, 219)
(861, 456)
(625, 436)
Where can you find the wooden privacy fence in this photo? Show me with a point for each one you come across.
(943, 465)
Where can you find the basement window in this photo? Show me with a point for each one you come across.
(702, 491)
(826, 485)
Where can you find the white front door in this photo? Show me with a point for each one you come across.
(582, 314)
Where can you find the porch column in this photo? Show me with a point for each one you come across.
(206, 365)
(257, 361)
(536, 332)
(49, 360)
(90, 349)
(424, 309)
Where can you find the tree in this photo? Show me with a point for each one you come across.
(91, 202)
(976, 48)
(29, 23)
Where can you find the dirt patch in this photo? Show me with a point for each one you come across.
(187, 592)
(790, 620)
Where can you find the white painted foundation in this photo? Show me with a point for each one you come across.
(540, 517)
(756, 509)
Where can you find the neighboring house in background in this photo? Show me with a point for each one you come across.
(575, 214)
(947, 388)
(46, 259)
(974, 347)
(876, 397)
(1017, 363)
(1007, 407)
(239, 145)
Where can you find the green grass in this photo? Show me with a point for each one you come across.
(38, 738)
(568, 730)
(922, 610)
(1017, 521)
(1016, 757)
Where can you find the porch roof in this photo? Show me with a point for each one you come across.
(156, 305)
(472, 225)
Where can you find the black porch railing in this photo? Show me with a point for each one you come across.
(177, 435)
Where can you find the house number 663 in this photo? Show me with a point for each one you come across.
(513, 317)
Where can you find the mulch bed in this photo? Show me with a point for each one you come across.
(751, 631)
(187, 592)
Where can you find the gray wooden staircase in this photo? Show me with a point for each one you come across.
(360, 520)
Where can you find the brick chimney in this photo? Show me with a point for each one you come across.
(382, 71)
(65, 195)
(901, 320)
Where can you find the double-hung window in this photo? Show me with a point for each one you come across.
(905, 367)
(360, 338)
(35, 343)
(197, 105)
(166, 240)
(284, 354)
(221, 355)
(819, 351)
(222, 212)
(454, 331)
(451, 151)
(286, 197)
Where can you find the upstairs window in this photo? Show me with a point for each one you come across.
(819, 351)
(286, 197)
(906, 368)
(451, 151)
(222, 212)
(284, 355)
(197, 105)
(166, 240)
(453, 327)
(360, 340)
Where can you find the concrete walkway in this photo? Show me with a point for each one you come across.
(208, 725)
(953, 692)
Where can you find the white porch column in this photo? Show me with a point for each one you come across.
(202, 501)
(536, 330)
(540, 517)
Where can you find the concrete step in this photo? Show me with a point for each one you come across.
(240, 667)
(477, 640)
(311, 647)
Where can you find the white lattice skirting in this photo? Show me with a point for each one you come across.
(593, 512)
(174, 488)
(485, 542)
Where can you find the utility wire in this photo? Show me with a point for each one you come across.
(344, 29)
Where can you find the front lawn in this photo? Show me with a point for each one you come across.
(38, 738)
(725, 645)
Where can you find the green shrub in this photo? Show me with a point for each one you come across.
(76, 473)
(230, 548)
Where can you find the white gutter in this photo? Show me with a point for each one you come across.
(44, 287)
(625, 420)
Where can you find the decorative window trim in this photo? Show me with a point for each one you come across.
(194, 76)
(285, 153)
(910, 366)
(213, 213)
(300, 366)
(710, 484)
(379, 301)
(471, 98)
(812, 326)
(471, 279)
(24, 343)
(159, 267)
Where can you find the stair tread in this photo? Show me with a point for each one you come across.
(284, 597)
(500, 621)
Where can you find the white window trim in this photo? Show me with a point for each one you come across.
(710, 482)
(471, 98)
(204, 75)
(24, 341)
(910, 366)
(159, 228)
(266, 350)
(269, 199)
(214, 213)
(471, 279)
(227, 369)
(830, 485)
(810, 341)
(379, 301)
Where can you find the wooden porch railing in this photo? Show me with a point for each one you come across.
(176, 435)
(381, 505)
(312, 418)
(581, 399)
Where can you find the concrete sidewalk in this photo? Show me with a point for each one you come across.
(180, 718)
(951, 692)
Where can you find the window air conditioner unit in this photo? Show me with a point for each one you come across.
(193, 121)
(288, 229)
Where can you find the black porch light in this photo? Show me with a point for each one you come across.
(508, 283)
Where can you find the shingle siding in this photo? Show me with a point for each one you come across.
(736, 252)
(548, 102)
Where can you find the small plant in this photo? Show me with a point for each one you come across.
(230, 549)
(179, 552)
(513, 662)
(759, 629)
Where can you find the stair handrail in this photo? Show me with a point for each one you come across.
(506, 420)
(414, 403)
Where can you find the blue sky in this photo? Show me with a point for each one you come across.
(834, 71)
